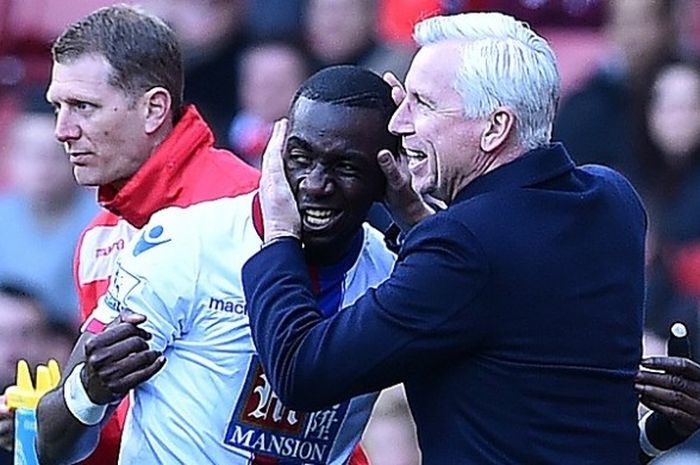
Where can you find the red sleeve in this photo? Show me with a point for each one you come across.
(358, 456)
(89, 292)
(107, 451)
(80, 289)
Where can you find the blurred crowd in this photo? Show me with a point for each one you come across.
(631, 100)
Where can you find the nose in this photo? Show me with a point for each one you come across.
(66, 129)
(317, 182)
(401, 122)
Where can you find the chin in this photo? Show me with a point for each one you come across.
(87, 181)
(85, 177)
(423, 188)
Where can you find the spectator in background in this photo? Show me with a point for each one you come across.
(345, 32)
(396, 18)
(604, 121)
(538, 13)
(25, 333)
(673, 199)
(211, 34)
(270, 73)
(274, 18)
(43, 214)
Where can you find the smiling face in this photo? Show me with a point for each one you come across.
(331, 164)
(102, 129)
(442, 145)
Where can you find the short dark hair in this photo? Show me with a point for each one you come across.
(142, 50)
(350, 86)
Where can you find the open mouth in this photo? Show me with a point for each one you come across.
(319, 218)
(414, 157)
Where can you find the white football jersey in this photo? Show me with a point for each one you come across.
(211, 403)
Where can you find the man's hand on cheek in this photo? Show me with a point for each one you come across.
(280, 215)
(407, 207)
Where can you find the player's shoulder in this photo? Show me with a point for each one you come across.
(175, 233)
(212, 213)
(103, 218)
(228, 174)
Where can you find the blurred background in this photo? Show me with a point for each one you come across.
(631, 100)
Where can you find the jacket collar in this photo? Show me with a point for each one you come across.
(531, 168)
(155, 183)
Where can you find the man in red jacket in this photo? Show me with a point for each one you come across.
(117, 88)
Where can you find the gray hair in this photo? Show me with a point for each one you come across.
(504, 63)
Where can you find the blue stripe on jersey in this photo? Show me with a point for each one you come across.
(328, 282)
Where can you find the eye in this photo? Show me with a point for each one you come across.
(300, 157)
(346, 168)
(83, 106)
(423, 103)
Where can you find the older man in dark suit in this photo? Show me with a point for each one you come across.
(513, 316)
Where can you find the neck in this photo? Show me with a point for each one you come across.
(484, 163)
(156, 139)
(503, 158)
(332, 254)
(324, 256)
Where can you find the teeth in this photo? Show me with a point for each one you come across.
(317, 217)
(414, 154)
(317, 213)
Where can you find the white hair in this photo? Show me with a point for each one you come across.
(504, 63)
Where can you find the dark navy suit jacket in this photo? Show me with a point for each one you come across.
(514, 318)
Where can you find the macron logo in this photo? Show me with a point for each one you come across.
(149, 240)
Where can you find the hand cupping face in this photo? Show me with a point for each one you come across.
(280, 215)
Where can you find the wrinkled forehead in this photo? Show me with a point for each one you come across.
(435, 66)
(84, 76)
(328, 126)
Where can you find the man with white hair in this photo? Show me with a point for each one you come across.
(514, 315)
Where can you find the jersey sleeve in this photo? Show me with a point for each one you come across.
(155, 277)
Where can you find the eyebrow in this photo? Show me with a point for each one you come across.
(421, 96)
(299, 142)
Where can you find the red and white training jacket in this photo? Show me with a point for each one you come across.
(184, 170)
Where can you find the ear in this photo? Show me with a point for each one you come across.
(157, 103)
(498, 128)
